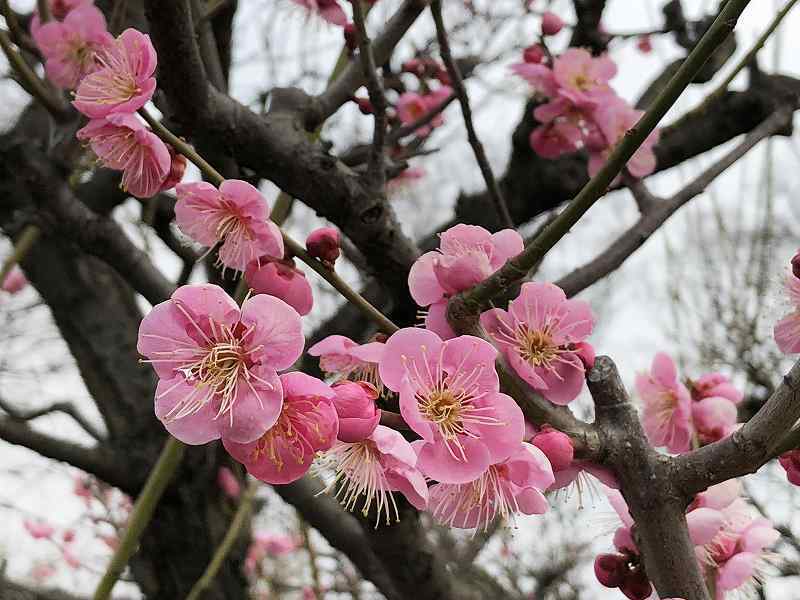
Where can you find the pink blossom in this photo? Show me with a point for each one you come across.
(228, 483)
(307, 424)
(355, 406)
(582, 78)
(405, 180)
(125, 81)
(280, 278)
(329, 10)
(69, 46)
(787, 330)
(714, 418)
(539, 76)
(411, 107)
(790, 461)
(551, 23)
(467, 255)
(42, 571)
(555, 139)
(714, 384)
(533, 54)
(72, 561)
(341, 358)
(39, 530)
(59, 9)
(666, 414)
(718, 496)
(538, 335)
(449, 395)
(123, 142)
(372, 469)
(614, 119)
(15, 281)
(83, 489)
(268, 544)
(235, 215)
(323, 243)
(217, 363)
(506, 488)
(177, 169)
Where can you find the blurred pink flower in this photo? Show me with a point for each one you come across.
(583, 78)
(69, 46)
(666, 414)
(511, 486)
(59, 10)
(714, 384)
(538, 335)
(217, 364)
(235, 215)
(329, 10)
(228, 483)
(714, 418)
(39, 530)
(790, 461)
(449, 395)
(341, 358)
(15, 281)
(551, 23)
(614, 118)
(125, 81)
(280, 278)
(123, 142)
(787, 330)
(371, 469)
(307, 424)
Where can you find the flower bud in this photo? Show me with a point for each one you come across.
(796, 264)
(350, 37)
(585, 352)
(323, 243)
(14, 281)
(556, 446)
(176, 169)
(228, 483)
(533, 54)
(636, 586)
(551, 23)
(364, 105)
(355, 406)
(610, 569)
(644, 44)
(280, 278)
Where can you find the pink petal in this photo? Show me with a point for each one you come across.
(407, 346)
(736, 571)
(436, 321)
(195, 429)
(277, 328)
(468, 353)
(436, 462)
(208, 301)
(704, 524)
(256, 408)
(502, 440)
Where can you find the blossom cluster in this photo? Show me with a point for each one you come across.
(112, 79)
(579, 110)
(730, 543)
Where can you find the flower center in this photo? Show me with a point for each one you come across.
(443, 408)
(219, 371)
(297, 426)
(536, 347)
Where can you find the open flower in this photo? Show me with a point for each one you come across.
(583, 78)
(615, 117)
(449, 395)
(39, 530)
(467, 255)
(714, 384)
(69, 46)
(307, 424)
(235, 215)
(506, 488)
(217, 363)
(373, 468)
(787, 330)
(124, 143)
(713, 418)
(341, 358)
(280, 278)
(666, 415)
(539, 335)
(124, 83)
(59, 10)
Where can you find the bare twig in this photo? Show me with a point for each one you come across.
(461, 91)
(63, 407)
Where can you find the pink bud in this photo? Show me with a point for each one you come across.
(636, 586)
(350, 37)
(610, 569)
(413, 66)
(280, 278)
(790, 461)
(644, 44)
(556, 446)
(14, 281)
(364, 105)
(39, 530)
(585, 352)
(355, 406)
(443, 76)
(323, 243)
(68, 536)
(228, 483)
(551, 23)
(533, 54)
(796, 264)
(176, 170)
(71, 560)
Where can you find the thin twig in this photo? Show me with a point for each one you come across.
(376, 168)
(63, 407)
(305, 530)
(222, 551)
(43, 7)
(517, 268)
(295, 248)
(22, 246)
(461, 91)
(18, 34)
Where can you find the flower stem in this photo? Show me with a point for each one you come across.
(294, 247)
(222, 551)
(22, 246)
(162, 473)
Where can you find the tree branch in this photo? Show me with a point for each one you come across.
(63, 407)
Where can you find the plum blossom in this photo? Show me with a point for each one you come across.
(583, 78)
(236, 216)
(714, 385)
(341, 358)
(217, 364)
(539, 335)
(123, 142)
(449, 395)
(59, 10)
(15, 281)
(509, 487)
(666, 415)
(323, 243)
(713, 418)
(787, 330)
(124, 83)
(355, 406)
(228, 483)
(615, 118)
(329, 10)
(467, 255)
(70, 46)
(412, 106)
(280, 278)
(790, 461)
(551, 23)
(307, 424)
(39, 530)
(373, 468)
